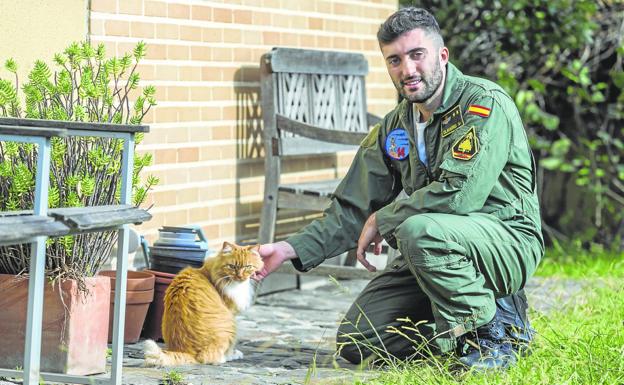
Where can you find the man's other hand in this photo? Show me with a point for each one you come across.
(370, 234)
(273, 255)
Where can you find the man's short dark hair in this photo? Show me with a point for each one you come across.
(405, 20)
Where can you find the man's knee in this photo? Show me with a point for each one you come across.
(420, 235)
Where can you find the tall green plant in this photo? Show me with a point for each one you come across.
(84, 86)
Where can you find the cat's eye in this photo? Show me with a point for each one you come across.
(249, 267)
(230, 266)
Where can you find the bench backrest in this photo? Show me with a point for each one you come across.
(323, 89)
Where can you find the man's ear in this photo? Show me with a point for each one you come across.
(444, 56)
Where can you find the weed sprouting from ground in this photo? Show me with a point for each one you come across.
(173, 377)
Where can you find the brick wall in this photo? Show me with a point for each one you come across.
(205, 132)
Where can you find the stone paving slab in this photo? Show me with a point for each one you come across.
(285, 337)
(289, 337)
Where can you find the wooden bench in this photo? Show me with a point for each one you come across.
(313, 103)
(35, 226)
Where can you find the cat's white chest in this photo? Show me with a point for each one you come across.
(241, 293)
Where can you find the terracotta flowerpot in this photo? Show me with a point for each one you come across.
(139, 295)
(74, 325)
(153, 323)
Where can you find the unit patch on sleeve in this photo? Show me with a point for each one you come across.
(397, 144)
(479, 110)
(467, 146)
(451, 121)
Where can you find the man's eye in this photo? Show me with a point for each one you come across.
(393, 61)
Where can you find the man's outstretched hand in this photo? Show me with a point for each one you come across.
(370, 234)
(273, 255)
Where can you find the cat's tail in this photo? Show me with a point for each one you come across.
(155, 356)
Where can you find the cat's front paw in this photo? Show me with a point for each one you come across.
(235, 355)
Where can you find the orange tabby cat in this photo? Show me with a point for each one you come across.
(198, 323)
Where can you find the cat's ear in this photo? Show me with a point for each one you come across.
(227, 247)
(255, 249)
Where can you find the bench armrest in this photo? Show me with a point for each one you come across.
(323, 134)
(372, 119)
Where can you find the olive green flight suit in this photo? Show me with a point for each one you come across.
(468, 232)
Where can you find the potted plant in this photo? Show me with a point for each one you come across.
(84, 86)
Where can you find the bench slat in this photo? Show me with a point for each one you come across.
(68, 211)
(317, 62)
(15, 229)
(313, 196)
(31, 131)
(319, 188)
(100, 217)
(59, 124)
(323, 134)
(290, 200)
(304, 146)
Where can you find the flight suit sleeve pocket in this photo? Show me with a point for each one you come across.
(455, 172)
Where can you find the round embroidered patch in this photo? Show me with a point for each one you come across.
(397, 144)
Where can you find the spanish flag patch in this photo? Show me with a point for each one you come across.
(479, 110)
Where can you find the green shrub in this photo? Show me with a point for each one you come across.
(561, 61)
(85, 171)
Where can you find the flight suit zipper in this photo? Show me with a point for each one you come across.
(408, 121)
(427, 152)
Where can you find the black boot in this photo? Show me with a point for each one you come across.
(512, 312)
(487, 347)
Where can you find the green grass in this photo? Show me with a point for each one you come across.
(579, 345)
(581, 264)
